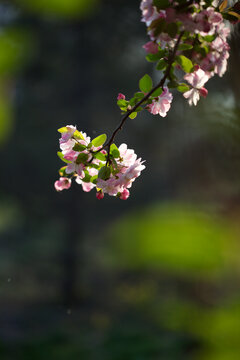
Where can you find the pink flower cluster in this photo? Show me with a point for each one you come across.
(204, 31)
(161, 104)
(126, 169)
(86, 162)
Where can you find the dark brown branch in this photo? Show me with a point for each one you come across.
(160, 84)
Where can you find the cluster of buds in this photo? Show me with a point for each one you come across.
(91, 166)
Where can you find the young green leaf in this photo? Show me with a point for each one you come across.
(100, 140)
(60, 155)
(145, 84)
(183, 47)
(82, 158)
(79, 147)
(94, 179)
(161, 64)
(104, 173)
(62, 130)
(157, 92)
(78, 135)
(87, 178)
(62, 171)
(133, 115)
(183, 87)
(114, 151)
(122, 103)
(100, 156)
(185, 63)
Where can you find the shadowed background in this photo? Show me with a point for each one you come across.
(154, 277)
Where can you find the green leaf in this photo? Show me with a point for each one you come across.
(157, 92)
(161, 4)
(62, 130)
(62, 171)
(79, 147)
(104, 173)
(114, 151)
(139, 95)
(94, 179)
(100, 156)
(183, 87)
(158, 26)
(183, 47)
(145, 84)
(78, 135)
(172, 29)
(122, 103)
(185, 63)
(172, 84)
(161, 64)
(60, 155)
(209, 38)
(133, 115)
(82, 158)
(155, 57)
(87, 178)
(100, 140)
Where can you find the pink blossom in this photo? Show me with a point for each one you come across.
(126, 179)
(124, 195)
(197, 79)
(74, 167)
(151, 47)
(70, 130)
(149, 12)
(110, 186)
(127, 156)
(62, 183)
(86, 186)
(121, 97)
(162, 105)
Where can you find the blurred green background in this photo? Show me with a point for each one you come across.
(155, 277)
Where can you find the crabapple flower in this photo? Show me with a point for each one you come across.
(151, 47)
(162, 104)
(62, 183)
(197, 79)
(92, 166)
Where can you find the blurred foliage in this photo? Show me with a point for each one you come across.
(147, 279)
(178, 238)
(60, 8)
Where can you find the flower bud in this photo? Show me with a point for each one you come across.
(124, 195)
(121, 97)
(203, 92)
(99, 195)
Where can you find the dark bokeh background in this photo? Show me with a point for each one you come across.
(155, 277)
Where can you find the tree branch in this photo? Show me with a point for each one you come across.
(160, 84)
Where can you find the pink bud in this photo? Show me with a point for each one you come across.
(124, 195)
(203, 92)
(103, 152)
(99, 195)
(121, 97)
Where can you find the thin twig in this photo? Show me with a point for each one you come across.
(160, 84)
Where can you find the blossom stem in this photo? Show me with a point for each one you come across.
(133, 109)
